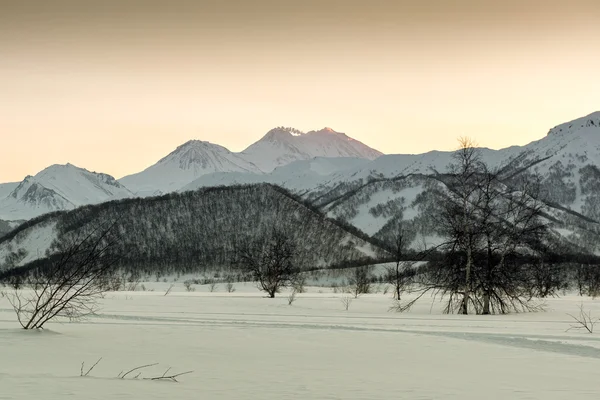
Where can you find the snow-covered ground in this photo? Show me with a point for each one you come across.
(242, 346)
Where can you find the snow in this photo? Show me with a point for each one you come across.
(59, 187)
(81, 186)
(394, 165)
(35, 240)
(182, 166)
(244, 346)
(281, 146)
(298, 175)
(7, 188)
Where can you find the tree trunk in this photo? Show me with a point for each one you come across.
(398, 281)
(486, 303)
(464, 307)
(488, 277)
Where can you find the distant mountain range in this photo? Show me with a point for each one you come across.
(343, 178)
(64, 187)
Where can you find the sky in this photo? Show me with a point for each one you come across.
(115, 85)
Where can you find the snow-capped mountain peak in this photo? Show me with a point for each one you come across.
(281, 146)
(59, 187)
(186, 163)
(326, 130)
(591, 121)
(282, 133)
(194, 154)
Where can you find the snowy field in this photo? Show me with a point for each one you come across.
(243, 346)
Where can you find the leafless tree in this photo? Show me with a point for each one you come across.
(77, 274)
(401, 274)
(270, 260)
(359, 281)
(587, 278)
(460, 202)
(490, 229)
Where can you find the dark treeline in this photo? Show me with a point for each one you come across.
(198, 231)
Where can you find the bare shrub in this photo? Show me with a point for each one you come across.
(291, 298)
(171, 377)
(212, 286)
(299, 283)
(166, 376)
(584, 320)
(169, 289)
(72, 282)
(230, 287)
(346, 301)
(86, 373)
(189, 286)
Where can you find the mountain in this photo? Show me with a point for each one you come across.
(566, 162)
(195, 231)
(59, 187)
(7, 188)
(281, 146)
(366, 190)
(185, 164)
(298, 176)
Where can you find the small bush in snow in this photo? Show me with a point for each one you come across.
(346, 301)
(230, 287)
(291, 298)
(189, 285)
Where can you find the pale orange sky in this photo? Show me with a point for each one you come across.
(113, 86)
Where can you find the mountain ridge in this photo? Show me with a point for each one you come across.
(566, 159)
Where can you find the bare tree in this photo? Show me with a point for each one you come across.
(459, 202)
(360, 281)
(401, 274)
(587, 278)
(490, 229)
(71, 284)
(271, 261)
